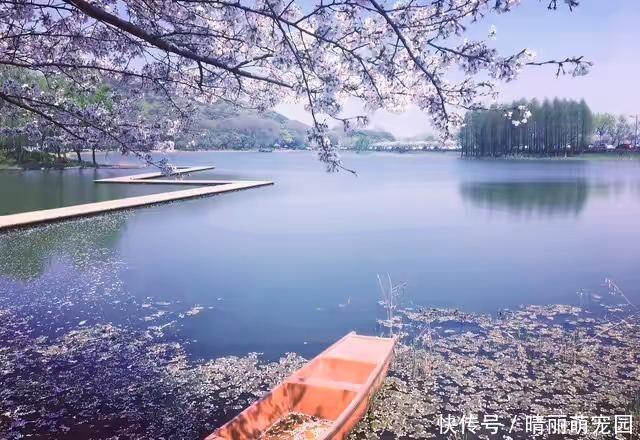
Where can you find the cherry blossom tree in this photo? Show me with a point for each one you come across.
(254, 53)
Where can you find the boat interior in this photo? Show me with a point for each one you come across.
(326, 389)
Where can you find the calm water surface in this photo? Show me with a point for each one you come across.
(22, 191)
(293, 266)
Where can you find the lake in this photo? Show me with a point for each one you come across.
(293, 266)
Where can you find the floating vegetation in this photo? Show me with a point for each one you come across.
(80, 357)
(192, 312)
(106, 381)
(295, 426)
(538, 360)
(111, 382)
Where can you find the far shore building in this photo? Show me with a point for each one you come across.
(402, 146)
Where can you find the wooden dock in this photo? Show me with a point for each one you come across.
(205, 188)
(145, 177)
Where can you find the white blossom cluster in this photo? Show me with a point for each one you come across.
(518, 115)
(255, 53)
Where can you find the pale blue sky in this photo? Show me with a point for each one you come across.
(606, 32)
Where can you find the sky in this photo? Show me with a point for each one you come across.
(606, 32)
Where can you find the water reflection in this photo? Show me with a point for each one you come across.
(29, 252)
(22, 191)
(546, 198)
(273, 264)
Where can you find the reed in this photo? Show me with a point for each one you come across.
(390, 299)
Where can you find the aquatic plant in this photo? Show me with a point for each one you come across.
(113, 382)
(390, 297)
(570, 362)
(81, 357)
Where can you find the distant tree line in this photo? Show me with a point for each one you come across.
(244, 132)
(553, 128)
(361, 140)
(613, 130)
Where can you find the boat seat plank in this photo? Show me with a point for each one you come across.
(361, 348)
(321, 382)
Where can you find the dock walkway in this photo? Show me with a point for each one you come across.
(204, 188)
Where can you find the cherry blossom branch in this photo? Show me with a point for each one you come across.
(101, 15)
(258, 53)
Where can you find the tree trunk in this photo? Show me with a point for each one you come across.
(93, 155)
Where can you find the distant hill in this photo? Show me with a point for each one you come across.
(358, 138)
(222, 126)
(225, 127)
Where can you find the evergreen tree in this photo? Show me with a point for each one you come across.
(556, 128)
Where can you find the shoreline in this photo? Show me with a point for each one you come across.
(74, 167)
(586, 156)
(606, 156)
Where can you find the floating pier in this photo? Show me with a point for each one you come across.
(204, 188)
(145, 177)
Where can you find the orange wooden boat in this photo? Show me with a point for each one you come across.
(323, 400)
